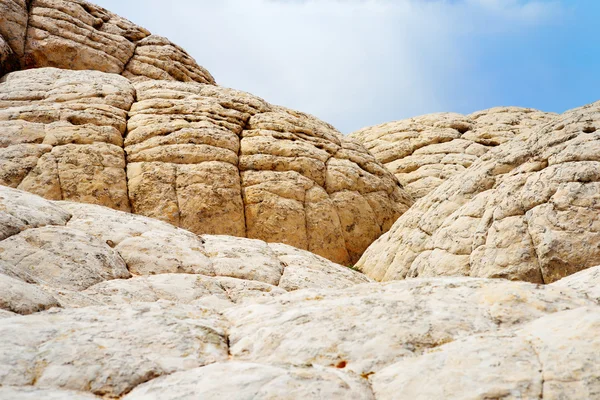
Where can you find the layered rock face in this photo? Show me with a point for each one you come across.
(162, 140)
(526, 210)
(75, 34)
(101, 303)
(113, 139)
(425, 151)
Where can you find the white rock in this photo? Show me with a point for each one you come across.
(248, 381)
(60, 257)
(23, 298)
(21, 210)
(554, 357)
(366, 327)
(108, 350)
(586, 282)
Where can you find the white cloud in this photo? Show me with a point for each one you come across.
(352, 62)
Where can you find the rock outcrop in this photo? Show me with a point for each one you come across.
(205, 158)
(77, 35)
(112, 140)
(425, 151)
(78, 255)
(168, 143)
(97, 302)
(526, 210)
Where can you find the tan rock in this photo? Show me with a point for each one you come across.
(108, 350)
(366, 327)
(13, 25)
(64, 134)
(241, 381)
(23, 298)
(526, 210)
(75, 34)
(220, 161)
(551, 357)
(157, 58)
(425, 151)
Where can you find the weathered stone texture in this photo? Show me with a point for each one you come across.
(526, 210)
(425, 151)
(63, 134)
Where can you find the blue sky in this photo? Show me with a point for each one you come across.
(356, 63)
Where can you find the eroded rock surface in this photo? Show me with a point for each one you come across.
(211, 315)
(78, 35)
(239, 381)
(526, 210)
(68, 254)
(208, 159)
(63, 135)
(425, 151)
(108, 350)
(364, 328)
(586, 282)
(521, 364)
(220, 161)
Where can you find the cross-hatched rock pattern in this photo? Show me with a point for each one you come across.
(100, 303)
(208, 159)
(423, 152)
(526, 210)
(78, 35)
(72, 254)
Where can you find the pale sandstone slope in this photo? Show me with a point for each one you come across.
(526, 210)
(137, 308)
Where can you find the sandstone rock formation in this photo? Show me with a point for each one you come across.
(76, 255)
(77, 35)
(425, 151)
(526, 210)
(209, 159)
(117, 139)
(170, 144)
(212, 316)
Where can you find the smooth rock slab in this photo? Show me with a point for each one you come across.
(247, 381)
(21, 210)
(23, 298)
(366, 327)
(554, 357)
(60, 257)
(586, 282)
(32, 393)
(108, 350)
